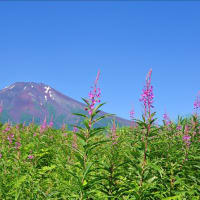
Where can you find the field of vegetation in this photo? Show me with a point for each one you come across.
(145, 161)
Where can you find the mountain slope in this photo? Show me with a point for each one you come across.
(22, 101)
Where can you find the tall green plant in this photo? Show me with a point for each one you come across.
(85, 162)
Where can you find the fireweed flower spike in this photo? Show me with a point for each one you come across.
(84, 157)
(10, 138)
(74, 144)
(17, 145)
(147, 95)
(197, 103)
(94, 95)
(51, 122)
(166, 119)
(114, 136)
(147, 99)
(132, 116)
(8, 128)
(1, 108)
(186, 139)
(179, 127)
(30, 156)
(63, 126)
(44, 125)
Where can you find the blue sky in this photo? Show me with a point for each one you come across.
(63, 44)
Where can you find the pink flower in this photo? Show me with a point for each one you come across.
(132, 113)
(17, 126)
(17, 145)
(132, 116)
(10, 137)
(75, 129)
(114, 136)
(0, 155)
(30, 156)
(74, 144)
(166, 119)
(51, 123)
(8, 128)
(186, 139)
(94, 95)
(1, 108)
(179, 127)
(147, 94)
(197, 103)
(44, 125)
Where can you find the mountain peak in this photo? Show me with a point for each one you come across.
(24, 100)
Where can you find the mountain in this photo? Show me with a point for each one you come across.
(22, 101)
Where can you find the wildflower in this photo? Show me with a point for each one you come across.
(44, 125)
(74, 144)
(10, 137)
(179, 127)
(94, 96)
(197, 103)
(166, 119)
(17, 145)
(114, 136)
(186, 129)
(0, 155)
(75, 129)
(8, 128)
(65, 134)
(132, 116)
(1, 108)
(30, 156)
(51, 123)
(186, 139)
(147, 95)
(17, 126)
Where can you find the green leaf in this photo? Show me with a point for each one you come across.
(81, 136)
(19, 181)
(80, 159)
(104, 116)
(86, 123)
(87, 170)
(177, 197)
(45, 169)
(92, 146)
(79, 114)
(153, 120)
(85, 101)
(95, 131)
(97, 107)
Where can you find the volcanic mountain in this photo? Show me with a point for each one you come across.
(25, 101)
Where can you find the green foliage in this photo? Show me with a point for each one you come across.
(145, 162)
